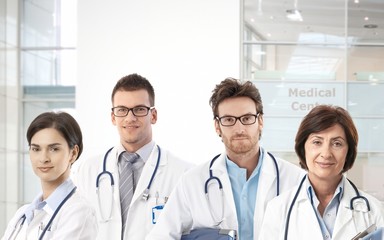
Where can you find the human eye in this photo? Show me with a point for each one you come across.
(316, 142)
(140, 110)
(122, 110)
(247, 118)
(227, 120)
(338, 144)
(34, 148)
(54, 149)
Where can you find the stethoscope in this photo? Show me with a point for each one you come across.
(20, 222)
(109, 174)
(358, 196)
(212, 177)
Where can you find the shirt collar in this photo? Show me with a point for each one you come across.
(233, 168)
(52, 202)
(144, 152)
(312, 196)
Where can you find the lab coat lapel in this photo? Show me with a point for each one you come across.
(307, 225)
(266, 188)
(105, 187)
(146, 174)
(345, 214)
(219, 169)
(111, 165)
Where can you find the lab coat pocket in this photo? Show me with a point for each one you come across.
(49, 233)
(155, 207)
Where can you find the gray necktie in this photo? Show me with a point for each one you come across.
(127, 168)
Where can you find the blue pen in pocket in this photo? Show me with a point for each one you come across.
(156, 210)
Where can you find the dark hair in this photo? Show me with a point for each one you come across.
(230, 88)
(323, 117)
(62, 122)
(134, 82)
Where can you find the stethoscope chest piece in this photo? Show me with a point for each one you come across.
(360, 204)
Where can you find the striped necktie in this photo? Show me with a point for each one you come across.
(127, 166)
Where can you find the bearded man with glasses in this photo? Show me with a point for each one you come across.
(225, 198)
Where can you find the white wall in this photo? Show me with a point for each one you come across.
(183, 47)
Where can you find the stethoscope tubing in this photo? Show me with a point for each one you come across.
(298, 191)
(112, 180)
(105, 170)
(146, 192)
(212, 177)
(56, 212)
(18, 227)
(23, 218)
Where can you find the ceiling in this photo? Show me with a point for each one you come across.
(325, 21)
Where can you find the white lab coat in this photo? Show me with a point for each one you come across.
(139, 219)
(303, 223)
(188, 208)
(75, 220)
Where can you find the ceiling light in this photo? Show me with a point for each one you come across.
(294, 15)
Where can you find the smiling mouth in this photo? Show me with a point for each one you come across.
(44, 169)
(130, 127)
(321, 164)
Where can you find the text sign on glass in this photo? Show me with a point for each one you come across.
(299, 98)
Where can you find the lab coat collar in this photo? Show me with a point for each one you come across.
(268, 177)
(220, 167)
(113, 158)
(344, 214)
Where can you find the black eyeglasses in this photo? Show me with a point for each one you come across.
(139, 111)
(247, 119)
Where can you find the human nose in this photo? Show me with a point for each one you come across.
(130, 114)
(326, 151)
(239, 126)
(44, 157)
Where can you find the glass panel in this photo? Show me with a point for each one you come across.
(49, 67)
(334, 55)
(371, 132)
(2, 23)
(365, 99)
(3, 126)
(367, 173)
(288, 99)
(301, 21)
(40, 23)
(50, 93)
(366, 63)
(279, 137)
(365, 21)
(49, 23)
(297, 62)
